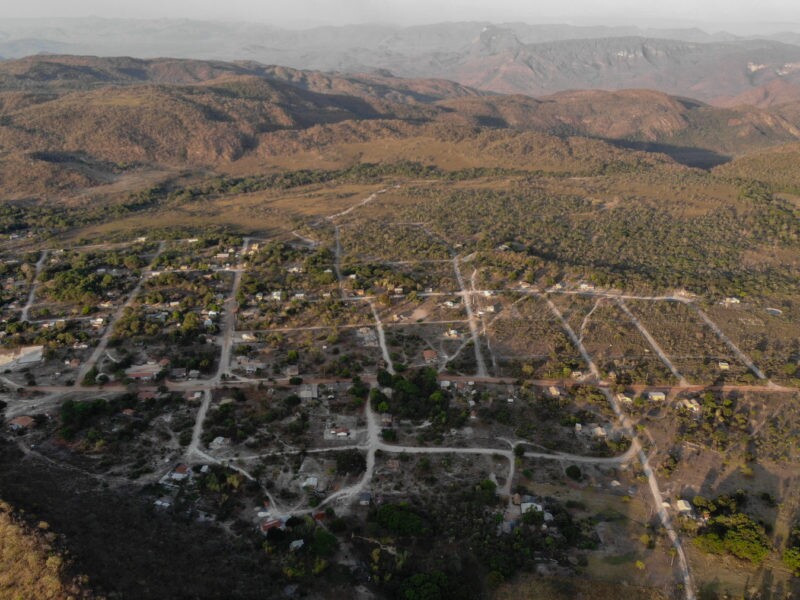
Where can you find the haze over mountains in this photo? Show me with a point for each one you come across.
(718, 68)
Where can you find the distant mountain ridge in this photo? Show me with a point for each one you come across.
(718, 68)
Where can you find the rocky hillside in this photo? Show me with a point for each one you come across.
(73, 122)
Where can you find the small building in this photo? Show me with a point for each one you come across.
(296, 545)
(529, 506)
(599, 432)
(684, 508)
(23, 423)
(690, 404)
(265, 526)
(180, 472)
(310, 483)
(656, 396)
(309, 391)
(146, 372)
(364, 499)
(724, 365)
(430, 356)
(554, 391)
(178, 373)
(624, 398)
(251, 367)
(218, 443)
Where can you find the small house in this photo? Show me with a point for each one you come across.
(270, 524)
(430, 356)
(529, 506)
(309, 391)
(684, 508)
(180, 472)
(23, 423)
(690, 404)
(146, 372)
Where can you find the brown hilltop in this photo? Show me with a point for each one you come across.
(72, 122)
(642, 116)
(641, 113)
(771, 94)
(197, 124)
(57, 72)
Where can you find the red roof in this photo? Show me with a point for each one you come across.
(24, 421)
(272, 524)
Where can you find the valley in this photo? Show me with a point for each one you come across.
(401, 337)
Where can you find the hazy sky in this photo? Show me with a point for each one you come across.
(338, 12)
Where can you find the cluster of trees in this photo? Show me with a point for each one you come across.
(268, 270)
(372, 275)
(417, 396)
(350, 462)
(453, 548)
(19, 333)
(720, 422)
(401, 519)
(312, 558)
(361, 173)
(377, 240)
(90, 419)
(791, 554)
(75, 278)
(52, 218)
(730, 531)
